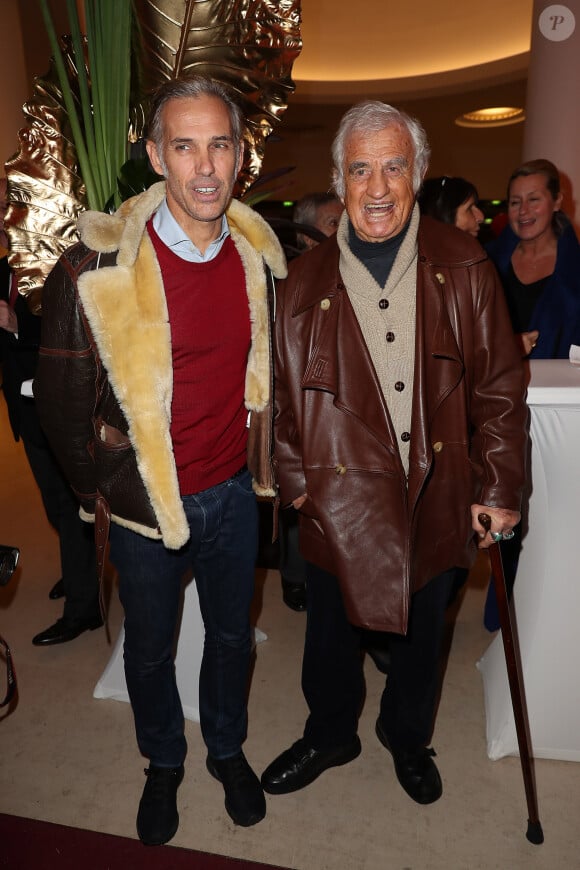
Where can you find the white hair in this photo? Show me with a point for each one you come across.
(372, 115)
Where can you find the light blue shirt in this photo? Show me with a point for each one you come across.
(173, 236)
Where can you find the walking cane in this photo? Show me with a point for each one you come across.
(534, 833)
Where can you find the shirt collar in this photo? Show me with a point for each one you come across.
(171, 233)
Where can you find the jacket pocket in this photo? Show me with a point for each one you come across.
(109, 436)
(118, 477)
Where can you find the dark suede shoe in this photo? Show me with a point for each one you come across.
(245, 800)
(294, 595)
(57, 590)
(64, 630)
(300, 765)
(416, 770)
(158, 819)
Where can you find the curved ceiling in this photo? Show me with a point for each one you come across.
(351, 48)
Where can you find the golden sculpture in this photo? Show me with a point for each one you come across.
(250, 45)
(45, 192)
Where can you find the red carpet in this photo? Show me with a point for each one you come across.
(26, 844)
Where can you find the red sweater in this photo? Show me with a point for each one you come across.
(210, 334)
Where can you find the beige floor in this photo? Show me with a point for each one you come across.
(68, 758)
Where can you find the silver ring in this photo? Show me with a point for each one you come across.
(499, 536)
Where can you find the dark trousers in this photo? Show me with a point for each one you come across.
(332, 672)
(76, 538)
(292, 565)
(221, 551)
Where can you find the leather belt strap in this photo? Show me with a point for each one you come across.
(102, 526)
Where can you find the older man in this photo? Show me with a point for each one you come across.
(400, 418)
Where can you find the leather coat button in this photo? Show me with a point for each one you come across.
(440, 278)
(340, 469)
(325, 304)
(438, 447)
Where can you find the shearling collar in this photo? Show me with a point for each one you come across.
(123, 231)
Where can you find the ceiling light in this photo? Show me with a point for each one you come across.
(498, 116)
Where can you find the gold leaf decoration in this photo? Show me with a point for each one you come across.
(250, 45)
(45, 192)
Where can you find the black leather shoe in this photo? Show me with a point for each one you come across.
(64, 630)
(294, 595)
(158, 819)
(300, 765)
(57, 590)
(245, 801)
(416, 770)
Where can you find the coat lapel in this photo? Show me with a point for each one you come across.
(340, 363)
(127, 312)
(438, 367)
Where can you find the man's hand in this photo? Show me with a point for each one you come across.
(8, 319)
(502, 521)
(529, 340)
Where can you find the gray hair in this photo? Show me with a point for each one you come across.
(372, 115)
(192, 86)
(306, 208)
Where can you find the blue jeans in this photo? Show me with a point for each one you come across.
(221, 551)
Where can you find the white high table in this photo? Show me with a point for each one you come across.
(546, 595)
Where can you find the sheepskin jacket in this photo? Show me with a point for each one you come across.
(105, 376)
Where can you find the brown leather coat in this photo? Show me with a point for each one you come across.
(384, 536)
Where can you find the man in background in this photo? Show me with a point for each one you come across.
(19, 341)
(321, 211)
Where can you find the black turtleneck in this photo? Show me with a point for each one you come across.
(378, 257)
